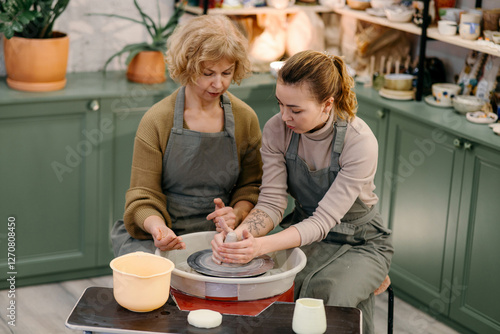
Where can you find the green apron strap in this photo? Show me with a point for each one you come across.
(342, 250)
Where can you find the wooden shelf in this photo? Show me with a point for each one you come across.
(362, 15)
(432, 32)
(478, 45)
(259, 10)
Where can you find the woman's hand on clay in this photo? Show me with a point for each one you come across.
(223, 212)
(164, 238)
(242, 251)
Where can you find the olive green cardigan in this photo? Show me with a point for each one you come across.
(145, 197)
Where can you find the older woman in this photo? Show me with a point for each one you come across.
(197, 150)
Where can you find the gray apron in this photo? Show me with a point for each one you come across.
(352, 261)
(197, 167)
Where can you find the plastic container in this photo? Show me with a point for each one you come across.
(141, 281)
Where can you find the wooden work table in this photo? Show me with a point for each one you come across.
(97, 311)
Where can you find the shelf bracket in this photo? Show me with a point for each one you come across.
(421, 57)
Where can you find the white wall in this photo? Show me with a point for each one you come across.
(93, 39)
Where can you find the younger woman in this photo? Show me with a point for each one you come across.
(325, 157)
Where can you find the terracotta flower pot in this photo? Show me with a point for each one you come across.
(35, 64)
(147, 67)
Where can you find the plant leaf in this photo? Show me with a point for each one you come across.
(116, 16)
(125, 49)
(151, 26)
(8, 31)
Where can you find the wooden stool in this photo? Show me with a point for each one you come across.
(386, 285)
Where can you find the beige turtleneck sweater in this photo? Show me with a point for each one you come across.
(358, 162)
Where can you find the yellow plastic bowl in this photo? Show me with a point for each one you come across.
(141, 281)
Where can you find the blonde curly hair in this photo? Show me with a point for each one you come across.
(206, 38)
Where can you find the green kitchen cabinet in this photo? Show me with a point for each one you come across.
(48, 172)
(422, 182)
(376, 116)
(123, 114)
(440, 192)
(474, 292)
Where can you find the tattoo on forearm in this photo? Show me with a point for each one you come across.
(256, 222)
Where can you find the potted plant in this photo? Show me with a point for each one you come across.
(145, 61)
(36, 56)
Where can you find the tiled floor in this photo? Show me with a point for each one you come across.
(43, 309)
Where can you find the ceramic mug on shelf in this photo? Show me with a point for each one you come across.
(309, 316)
(496, 37)
(443, 93)
(469, 30)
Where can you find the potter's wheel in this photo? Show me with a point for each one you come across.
(202, 262)
(276, 281)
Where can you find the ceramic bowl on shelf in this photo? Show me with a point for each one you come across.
(358, 4)
(467, 103)
(381, 3)
(398, 81)
(496, 36)
(447, 28)
(280, 4)
(397, 13)
(443, 93)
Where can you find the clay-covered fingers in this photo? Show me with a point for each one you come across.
(216, 241)
(222, 211)
(219, 204)
(237, 252)
(223, 225)
(165, 239)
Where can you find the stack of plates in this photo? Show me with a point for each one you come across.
(397, 94)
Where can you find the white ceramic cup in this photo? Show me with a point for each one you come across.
(448, 28)
(309, 316)
(443, 93)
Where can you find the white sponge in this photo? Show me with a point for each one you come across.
(204, 318)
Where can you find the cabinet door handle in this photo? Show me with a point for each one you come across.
(94, 105)
(380, 113)
(457, 143)
(468, 146)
